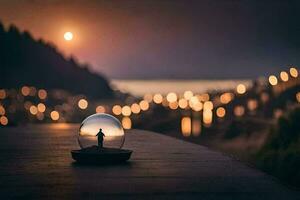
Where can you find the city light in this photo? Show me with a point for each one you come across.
(126, 111)
(126, 123)
(208, 105)
(157, 98)
(273, 80)
(252, 104)
(284, 76)
(41, 107)
(54, 115)
(298, 97)
(241, 89)
(2, 110)
(183, 103)
(173, 105)
(3, 120)
(25, 91)
(2, 94)
(100, 109)
(42, 94)
(221, 112)
(188, 95)
(117, 110)
(226, 98)
(207, 116)
(239, 111)
(33, 110)
(294, 72)
(186, 126)
(148, 98)
(144, 105)
(82, 104)
(171, 97)
(135, 108)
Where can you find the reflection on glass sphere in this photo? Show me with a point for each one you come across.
(91, 135)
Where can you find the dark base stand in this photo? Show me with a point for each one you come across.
(96, 155)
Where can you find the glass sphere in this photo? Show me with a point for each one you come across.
(101, 130)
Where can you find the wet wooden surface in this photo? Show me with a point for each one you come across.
(35, 163)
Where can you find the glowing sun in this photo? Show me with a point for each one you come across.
(68, 36)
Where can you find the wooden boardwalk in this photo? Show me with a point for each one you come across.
(35, 163)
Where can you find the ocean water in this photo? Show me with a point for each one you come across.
(141, 87)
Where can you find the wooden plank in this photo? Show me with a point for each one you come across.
(36, 163)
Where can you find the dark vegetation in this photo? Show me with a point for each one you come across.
(280, 156)
(26, 61)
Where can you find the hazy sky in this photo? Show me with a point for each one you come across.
(167, 39)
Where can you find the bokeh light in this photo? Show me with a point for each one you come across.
(157, 98)
(144, 105)
(188, 95)
(126, 111)
(239, 111)
(126, 123)
(33, 110)
(42, 94)
(148, 98)
(2, 110)
(298, 97)
(183, 103)
(135, 108)
(186, 126)
(117, 110)
(83, 104)
(41, 107)
(54, 115)
(294, 72)
(241, 89)
(3, 120)
(273, 80)
(171, 97)
(25, 90)
(284, 76)
(221, 112)
(2, 94)
(100, 109)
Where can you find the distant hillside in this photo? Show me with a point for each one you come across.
(25, 61)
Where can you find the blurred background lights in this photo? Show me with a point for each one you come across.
(126, 123)
(126, 111)
(171, 97)
(25, 90)
(54, 115)
(273, 80)
(298, 96)
(42, 94)
(2, 94)
(148, 97)
(2, 110)
(41, 107)
(294, 72)
(144, 105)
(3, 120)
(33, 110)
(157, 98)
(100, 109)
(135, 108)
(284, 76)
(221, 112)
(82, 104)
(188, 94)
(241, 89)
(186, 126)
(117, 110)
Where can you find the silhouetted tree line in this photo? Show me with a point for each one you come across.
(26, 61)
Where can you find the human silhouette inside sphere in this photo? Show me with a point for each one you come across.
(101, 136)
